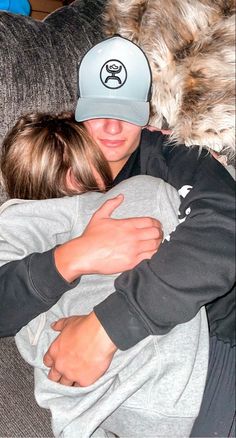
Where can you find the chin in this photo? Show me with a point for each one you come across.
(190, 45)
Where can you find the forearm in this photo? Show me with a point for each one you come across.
(196, 267)
(169, 290)
(28, 287)
(155, 304)
(34, 283)
(71, 259)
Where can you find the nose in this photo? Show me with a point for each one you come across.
(113, 126)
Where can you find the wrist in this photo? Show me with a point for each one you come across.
(67, 260)
(108, 347)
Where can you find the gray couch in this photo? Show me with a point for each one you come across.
(38, 72)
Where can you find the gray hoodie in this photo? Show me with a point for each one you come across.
(154, 388)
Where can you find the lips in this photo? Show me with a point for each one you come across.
(111, 143)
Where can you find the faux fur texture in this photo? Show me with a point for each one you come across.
(190, 45)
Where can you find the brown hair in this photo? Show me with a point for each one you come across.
(40, 150)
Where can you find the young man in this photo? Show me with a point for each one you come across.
(194, 268)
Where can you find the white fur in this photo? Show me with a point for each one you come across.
(190, 45)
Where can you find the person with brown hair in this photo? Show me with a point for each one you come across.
(49, 156)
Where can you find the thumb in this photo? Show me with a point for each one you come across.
(59, 325)
(109, 206)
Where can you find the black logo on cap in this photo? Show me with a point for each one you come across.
(113, 74)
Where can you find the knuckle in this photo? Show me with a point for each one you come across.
(147, 222)
(158, 233)
(58, 366)
(69, 376)
(152, 222)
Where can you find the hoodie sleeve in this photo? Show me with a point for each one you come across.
(194, 268)
(29, 281)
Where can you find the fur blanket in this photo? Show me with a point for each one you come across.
(190, 45)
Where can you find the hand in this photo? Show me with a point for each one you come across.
(81, 353)
(107, 245)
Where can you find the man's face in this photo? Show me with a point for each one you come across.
(117, 140)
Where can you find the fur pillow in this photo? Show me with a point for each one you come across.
(38, 60)
(190, 45)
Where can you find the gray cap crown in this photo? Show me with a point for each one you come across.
(114, 82)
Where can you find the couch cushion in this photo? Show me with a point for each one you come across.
(20, 416)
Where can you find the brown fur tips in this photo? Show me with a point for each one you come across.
(190, 45)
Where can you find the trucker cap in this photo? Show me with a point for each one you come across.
(114, 82)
